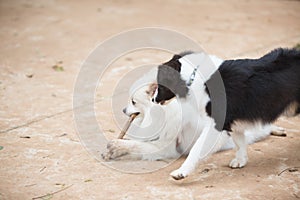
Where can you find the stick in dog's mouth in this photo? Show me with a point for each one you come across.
(127, 125)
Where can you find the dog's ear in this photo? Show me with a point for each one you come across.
(181, 88)
(167, 77)
(151, 90)
(171, 79)
(174, 63)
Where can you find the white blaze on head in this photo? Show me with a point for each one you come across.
(155, 95)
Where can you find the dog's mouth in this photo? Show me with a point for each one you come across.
(136, 114)
(162, 102)
(165, 102)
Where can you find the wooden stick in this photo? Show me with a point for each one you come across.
(126, 127)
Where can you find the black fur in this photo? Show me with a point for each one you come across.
(256, 89)
(261, 89)
(168, 72)
(166, 84)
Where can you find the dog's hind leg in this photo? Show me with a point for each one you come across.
(241, 156)
(278, 131)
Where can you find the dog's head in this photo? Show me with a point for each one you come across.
(170, 83)
(140, 100)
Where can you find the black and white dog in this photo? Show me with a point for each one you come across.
(252, 93)
(156, 133)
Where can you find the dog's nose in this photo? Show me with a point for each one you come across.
(153, 100)
(124, 110)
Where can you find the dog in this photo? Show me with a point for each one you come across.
(252, 93)
(156, 133)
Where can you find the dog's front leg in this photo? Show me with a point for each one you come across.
(131, 149)
(118, 148)
(208, 143)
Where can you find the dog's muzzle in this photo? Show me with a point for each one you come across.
(129, 114)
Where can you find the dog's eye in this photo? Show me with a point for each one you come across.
(133, 102)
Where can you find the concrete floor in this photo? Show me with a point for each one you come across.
(42, 153)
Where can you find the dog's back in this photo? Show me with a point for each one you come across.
(262, 89)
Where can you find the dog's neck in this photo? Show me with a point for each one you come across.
(192, 77)
(198, 67)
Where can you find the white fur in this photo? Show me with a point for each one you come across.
(160, 131)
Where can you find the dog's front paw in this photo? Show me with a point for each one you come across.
(178, 174)
(116, 149)
(238, 162)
